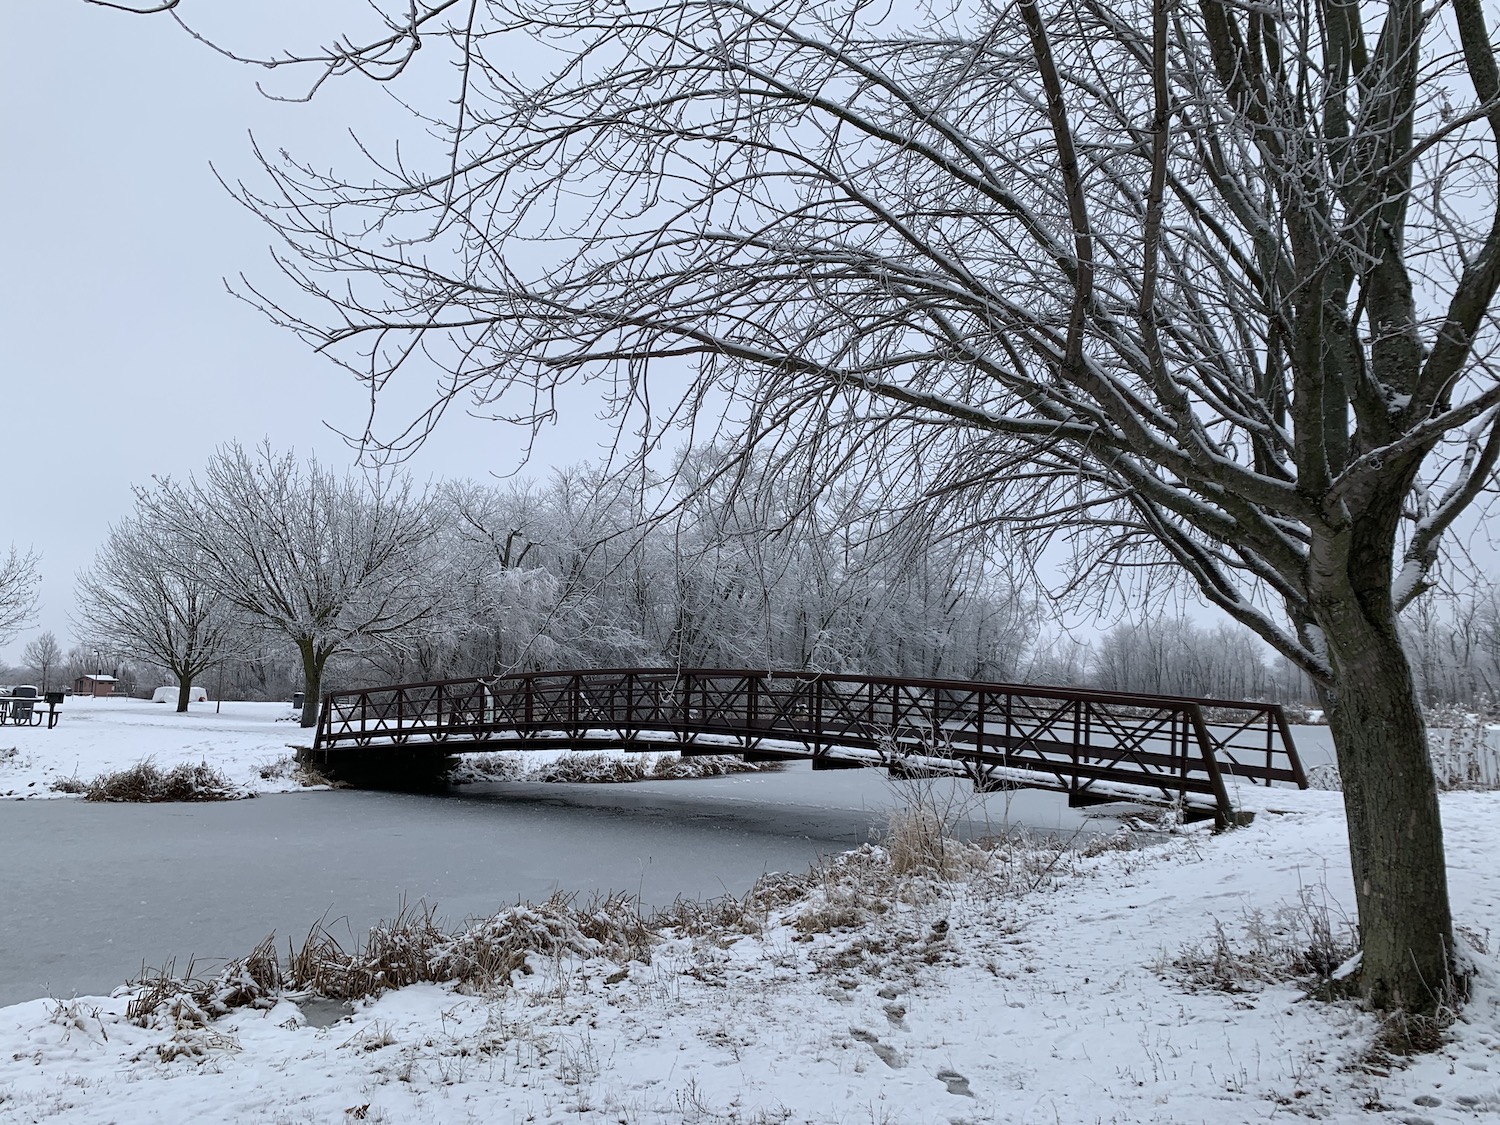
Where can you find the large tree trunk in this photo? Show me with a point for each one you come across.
(1395, 831)
(312, 680)
(184, 691)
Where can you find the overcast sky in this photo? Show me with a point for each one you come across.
(121, 354)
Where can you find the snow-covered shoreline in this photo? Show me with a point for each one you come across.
(1045, 987)
(253, 745)
(985, 999)
(250, 743)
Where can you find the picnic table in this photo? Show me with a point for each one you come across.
(21, 707)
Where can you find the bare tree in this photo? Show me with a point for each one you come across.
(1207, 286)
(1174, 656)
(150, 595)
(331, 563)
(584, 572)
(1450, 637)
(42, 654)
(18, 588)
(82, 660)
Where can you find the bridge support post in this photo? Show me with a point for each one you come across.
(1225, 815)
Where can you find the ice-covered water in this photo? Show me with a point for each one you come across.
(93, 891)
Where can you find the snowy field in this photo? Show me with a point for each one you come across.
(251, 744)
(97, 736)
(1041, 987)
(1052, 998)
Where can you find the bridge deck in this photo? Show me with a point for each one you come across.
(1092, 745)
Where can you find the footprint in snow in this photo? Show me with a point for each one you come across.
(883, 1051)
(956, 1082)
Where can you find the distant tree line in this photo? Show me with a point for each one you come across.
(262, 576)
(264, 571)
(1454, 644)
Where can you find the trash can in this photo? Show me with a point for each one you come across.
(298, 699)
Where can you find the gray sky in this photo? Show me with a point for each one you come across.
(121, 354)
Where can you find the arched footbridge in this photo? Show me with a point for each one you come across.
(1095, 746)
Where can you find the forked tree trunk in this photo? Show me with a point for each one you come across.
(1395, 830)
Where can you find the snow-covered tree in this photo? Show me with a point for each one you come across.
(18, 589)
(1176, 656)
(1454, 642)
(42, 655)
(331, 563)
(151, 595)
(583, 571)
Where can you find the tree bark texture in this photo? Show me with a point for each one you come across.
(1395, 829)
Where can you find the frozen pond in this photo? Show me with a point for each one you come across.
(93, 891)
(1314, 745)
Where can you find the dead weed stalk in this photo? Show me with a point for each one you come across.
(1310, 942)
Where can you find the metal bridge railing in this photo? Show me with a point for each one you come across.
(1084, 742)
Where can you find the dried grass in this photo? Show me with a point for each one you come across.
(720, 916)
(323, 966)
(1464, 746)
(145, 782)
(291, 768)
(919, 841)
(1308, 941)
(488, 951)
(748, 914)
(163, 999)
(411, 948)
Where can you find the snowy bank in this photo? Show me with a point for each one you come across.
(254, 745)
(250, 743)
(1043, 986)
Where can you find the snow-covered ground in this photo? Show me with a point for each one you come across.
(96, 736)
(251, 744)
(1046, 986)
(1038, 990)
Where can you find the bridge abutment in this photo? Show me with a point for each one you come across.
(405, 769)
